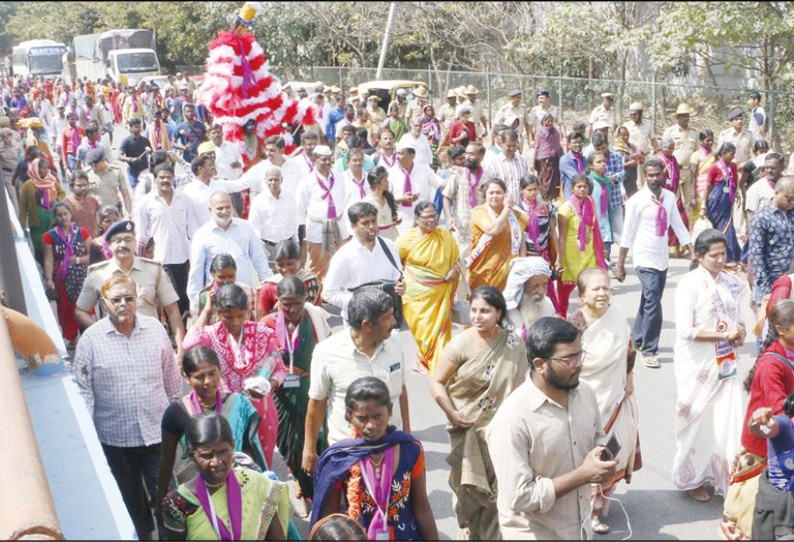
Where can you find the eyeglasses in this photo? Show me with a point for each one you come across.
(573, 359)
(117, 300)
(119, 240)
(428, 218)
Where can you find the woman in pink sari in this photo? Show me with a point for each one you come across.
(249, 356)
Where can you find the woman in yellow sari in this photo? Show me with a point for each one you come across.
(430, 258)
(701, 162)
(497, 237)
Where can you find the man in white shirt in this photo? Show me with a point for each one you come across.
(273, 214)
(291, 172)
(303, 156)
(225, 234)
(645, 231)
(320, 204)
(762, 192)
(757, 116)
(362, 260)
(366, 348)
(228, 160)
(199, 190)
(417, 140)
(168, 217)
(509, 165)
(411, 182)
(93, 140)
(355, 180)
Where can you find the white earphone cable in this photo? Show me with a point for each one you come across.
(583, 533)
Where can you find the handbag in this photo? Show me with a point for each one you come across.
(388, 286)
(460, 309)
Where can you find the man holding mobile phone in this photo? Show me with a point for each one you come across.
(546, 441)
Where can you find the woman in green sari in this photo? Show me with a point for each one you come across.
(476, 372)
(299, 326)
(224, 502)
(202, 369)
(393, 122)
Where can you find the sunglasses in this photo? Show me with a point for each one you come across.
(125, 298)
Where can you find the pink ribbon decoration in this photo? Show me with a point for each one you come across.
(234, 497)
(68, 251)
(360, 184)
(248, 76)
(473, 187)
(407, 188)
(380, 490)
(327, 194)
(586, 216)
(386, 158)
(195, 406)
(533, 225)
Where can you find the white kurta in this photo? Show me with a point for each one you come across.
(709, 410)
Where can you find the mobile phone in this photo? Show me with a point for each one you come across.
(612, 448)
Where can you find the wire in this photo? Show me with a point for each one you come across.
(583, 533)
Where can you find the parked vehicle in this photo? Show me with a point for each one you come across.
(126, 56)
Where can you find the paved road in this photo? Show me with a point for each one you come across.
(655, 508)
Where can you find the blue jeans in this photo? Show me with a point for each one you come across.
(133, 177)
(648, 324)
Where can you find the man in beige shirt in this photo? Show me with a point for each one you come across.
(546, 442)
(686, 142)
(414, 109)
(604, 112)
(640, 130)
(106, 182)
(736, 134)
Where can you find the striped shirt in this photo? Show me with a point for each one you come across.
(127, 383)
(498, 166)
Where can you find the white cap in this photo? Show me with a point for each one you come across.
(405, 144)
(600, 125)
(322, 150)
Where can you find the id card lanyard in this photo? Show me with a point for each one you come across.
(380, 509)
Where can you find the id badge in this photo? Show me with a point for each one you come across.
(726, 361)
(292, 381)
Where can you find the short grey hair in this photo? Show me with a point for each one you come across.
(666, 142)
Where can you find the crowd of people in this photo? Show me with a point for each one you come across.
(190, 276)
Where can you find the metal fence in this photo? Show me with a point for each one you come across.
(576, 97)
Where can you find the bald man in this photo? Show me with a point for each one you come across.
(225, 234)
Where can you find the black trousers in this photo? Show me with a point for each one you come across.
(179, 273)
(132, 468)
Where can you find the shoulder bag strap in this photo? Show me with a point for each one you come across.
(389, 255)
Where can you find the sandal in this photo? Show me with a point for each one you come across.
(598, 527)
(699, 494)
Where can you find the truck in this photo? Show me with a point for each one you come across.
(125, 56)
(42, 58)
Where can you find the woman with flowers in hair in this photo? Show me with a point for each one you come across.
(380, 472)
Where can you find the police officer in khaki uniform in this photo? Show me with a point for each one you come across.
(153, 284)
(477, 116)
(414, 109)
(604, 112)
(736, 134)
(514, 109)
(446, 113)
(376, 112)
(686, 142)
(402, 104)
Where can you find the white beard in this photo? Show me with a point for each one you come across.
(531, 310)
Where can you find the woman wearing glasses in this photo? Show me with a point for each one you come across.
(475, 373)
(430, 258)
(607, 366)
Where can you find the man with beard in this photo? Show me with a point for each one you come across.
(224, 235)
(544, 462)
(525, 293)
(649, 215)
(462, 194)
(154, 288)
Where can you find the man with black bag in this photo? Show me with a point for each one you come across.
(366, 260)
